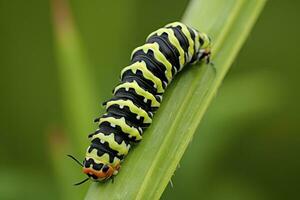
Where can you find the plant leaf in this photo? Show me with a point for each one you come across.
(150, 165)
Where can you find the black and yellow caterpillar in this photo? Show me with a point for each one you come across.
(130, 111)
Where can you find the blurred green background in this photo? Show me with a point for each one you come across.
(247, 146)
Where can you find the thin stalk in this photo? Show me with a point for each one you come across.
(149, 167)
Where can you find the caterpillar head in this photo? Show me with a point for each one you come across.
(205, 47)
(99, 171)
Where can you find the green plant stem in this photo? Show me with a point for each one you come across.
(77, 97)
(150, 166)
(73, 67)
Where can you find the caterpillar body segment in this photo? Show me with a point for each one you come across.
(141, 68)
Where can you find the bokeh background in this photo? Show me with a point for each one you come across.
(247, 146)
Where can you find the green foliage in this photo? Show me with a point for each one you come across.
(149, 167)
(246, 147)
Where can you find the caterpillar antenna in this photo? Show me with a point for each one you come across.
(76, 184)
(72, 157)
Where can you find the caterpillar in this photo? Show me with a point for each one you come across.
(130, 111)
